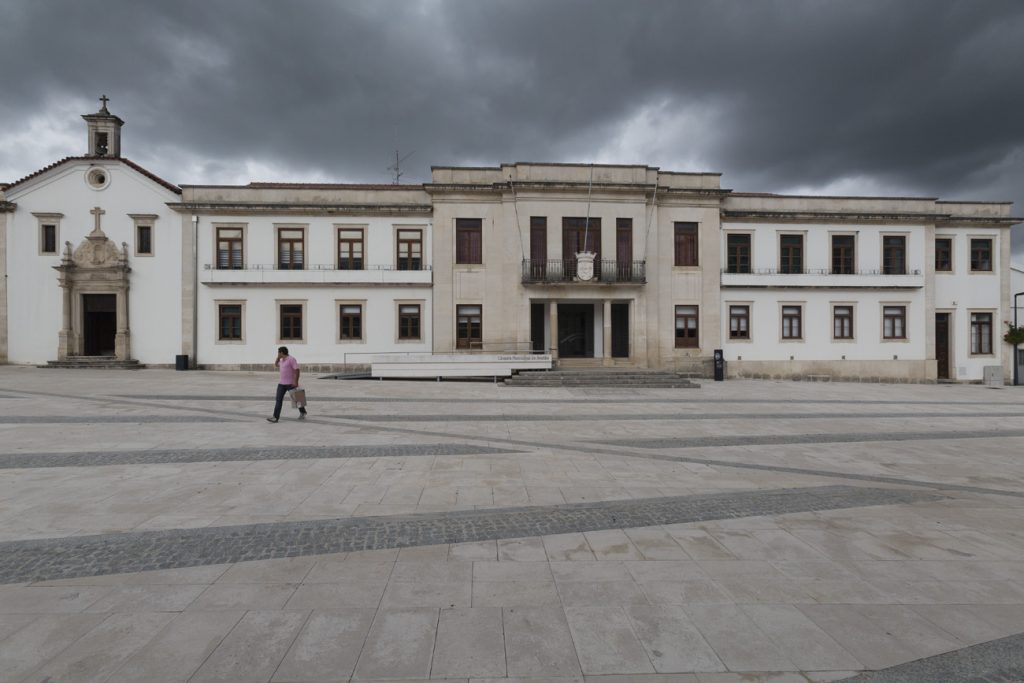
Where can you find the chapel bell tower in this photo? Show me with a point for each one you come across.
(104, 132)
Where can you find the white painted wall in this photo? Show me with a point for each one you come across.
(863, 292)
(962, 292)
(34, 296)
(378, 290)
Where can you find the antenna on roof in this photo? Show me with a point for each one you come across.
(396, 170)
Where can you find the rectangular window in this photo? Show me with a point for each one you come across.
(410, 249)
(469, 327)
(792, 322)
(101, 144)
(230, 317)
(686, 244)
(350, 249)
(469, 240)
(351, 317)
(687, 327)
(842, 254)
(842, 322)
(409, 321)
(579, 235)
(894, 255)
(981, 334)
(737, 249)
(143, 239)
(229, 249)
(623, 249)
(894, 322)
(538, 248)
(291, 322)
(791, 254)
(48, 239)
(943, 255)
(981, 255)
(290, 248)
(739, 322)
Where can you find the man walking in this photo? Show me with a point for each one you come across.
(289, 379)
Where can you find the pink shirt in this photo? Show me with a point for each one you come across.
(289, 369)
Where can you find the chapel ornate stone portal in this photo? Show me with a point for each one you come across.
(95, 283)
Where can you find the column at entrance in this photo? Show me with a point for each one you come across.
(607, 333)
(553, 328)
(66, 343)
(122, 341)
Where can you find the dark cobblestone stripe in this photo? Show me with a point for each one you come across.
(881, 479)
(782, 439)
(96, 458)
(125, 419)
(997, 661)
(661, 416)
(568, 400)
(47, 559)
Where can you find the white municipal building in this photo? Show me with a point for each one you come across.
(100, 257)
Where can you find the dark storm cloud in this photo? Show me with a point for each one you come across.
(916, 96)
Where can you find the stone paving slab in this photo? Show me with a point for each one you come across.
(765, 598)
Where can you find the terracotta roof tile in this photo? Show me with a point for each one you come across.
(127, 162)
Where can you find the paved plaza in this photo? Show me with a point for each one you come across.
(154, 527)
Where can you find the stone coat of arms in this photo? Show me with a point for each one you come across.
(585, 265)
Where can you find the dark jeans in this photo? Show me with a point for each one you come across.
(282, 389)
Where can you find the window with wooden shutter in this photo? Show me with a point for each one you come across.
(468, 240)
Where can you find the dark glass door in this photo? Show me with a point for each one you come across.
(942, 344)
(537, 314)
(620, 330)
(575, 330)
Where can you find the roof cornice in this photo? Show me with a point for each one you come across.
(295, 209)
(944, 219)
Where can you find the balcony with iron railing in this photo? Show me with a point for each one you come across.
(269, 274)
(822, 278)
(562, 271)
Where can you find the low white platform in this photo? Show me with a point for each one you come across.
(455, 364)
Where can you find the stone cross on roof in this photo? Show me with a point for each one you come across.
(104, 99)
(97, 231)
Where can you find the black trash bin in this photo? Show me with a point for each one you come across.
(181, 362)
(719, 365)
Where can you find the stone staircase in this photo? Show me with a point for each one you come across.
(634, 378)
(93, 363)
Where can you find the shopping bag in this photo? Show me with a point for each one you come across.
(298, 396)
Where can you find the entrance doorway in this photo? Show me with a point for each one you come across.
(575, 330)
(538, 313)
(99, 324)
(620, 330)
(942, 344)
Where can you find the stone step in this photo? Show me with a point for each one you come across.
(92, 363)
(604, 377)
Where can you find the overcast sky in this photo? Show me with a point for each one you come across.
(907, 97)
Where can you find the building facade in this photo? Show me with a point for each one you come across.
(598, 265)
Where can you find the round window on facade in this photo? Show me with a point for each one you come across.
(97, 178)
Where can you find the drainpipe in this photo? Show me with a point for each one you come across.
(1016, 353)
(195, 292)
